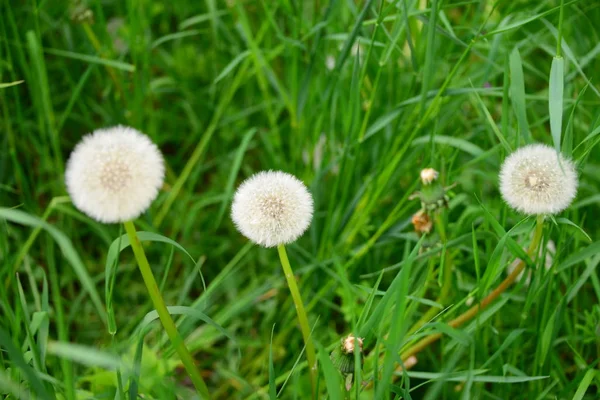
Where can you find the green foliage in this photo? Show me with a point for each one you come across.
(354, 98)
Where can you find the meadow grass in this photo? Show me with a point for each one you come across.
(352, 97)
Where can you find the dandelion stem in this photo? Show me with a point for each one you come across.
(473, 311)
(447, 283)
(163, 313)
(302, 318)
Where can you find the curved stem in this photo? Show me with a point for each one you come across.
(302, 318)
(473, 311)
(163, 313)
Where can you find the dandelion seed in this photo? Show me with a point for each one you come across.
(272, 208)
(114, 174)
(536, 179)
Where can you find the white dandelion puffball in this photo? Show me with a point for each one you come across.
(114, 174)
(536, 179)
(272, 208)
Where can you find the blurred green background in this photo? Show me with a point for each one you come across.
(352, 97)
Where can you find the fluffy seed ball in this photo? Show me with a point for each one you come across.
(272, 208)
(114, 174)
(536, 179)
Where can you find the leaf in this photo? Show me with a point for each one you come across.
(548, 335)
(517, 93)
(460, 144)
(513, 246)
(232, 64)
(9, 84)
(365, 330)
(584, 384)
(198, 19)
(464, 375)
(272, 385)
(381, 123)
(460, 336)
(332, 376)
(555, 101)
(85, 355)
(8, 386)
(66, 247)
(507, 342)
(492, 124)
(189, 312)
(121, 243)
(174, 36)
(574, 289)
(583, 254)
(233, 172)
(566, 221)
(91, 59)
(19, 362)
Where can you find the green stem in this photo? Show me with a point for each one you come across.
(163, 313)
(447, 283)
(302, 318)
(473, 311)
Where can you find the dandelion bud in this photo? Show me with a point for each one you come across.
(272, 208)
(114, 174)
(536, 179)
(422, 222)
(342, 357)
(429, 175)
(433, 195)
(348, 344)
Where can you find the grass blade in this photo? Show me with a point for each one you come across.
(517, 93)
(555, 103)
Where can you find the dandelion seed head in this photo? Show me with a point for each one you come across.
(272, 208)
(536, 179)
(114, 174)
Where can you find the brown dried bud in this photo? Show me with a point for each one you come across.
(422, 222)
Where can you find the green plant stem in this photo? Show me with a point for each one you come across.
(163, 313)
(473, 311)
(446, 285)
(302, 318)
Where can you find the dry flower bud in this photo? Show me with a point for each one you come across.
(429, 175)
(422, 222)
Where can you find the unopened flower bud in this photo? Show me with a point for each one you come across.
(429, 175)
(422, 222)
(348, 344)
(342, 357)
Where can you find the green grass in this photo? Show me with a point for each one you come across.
(354, 98)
